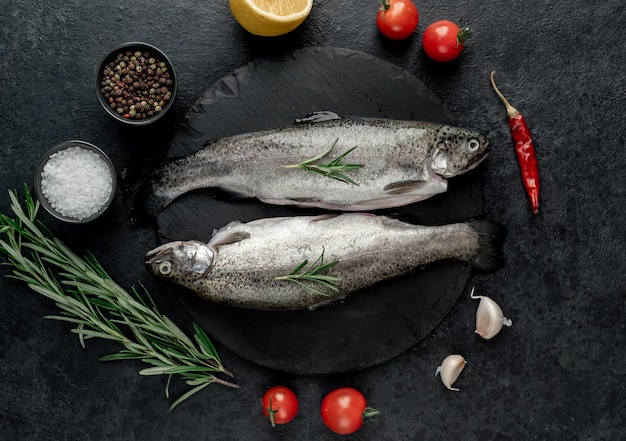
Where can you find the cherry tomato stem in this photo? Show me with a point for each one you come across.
(369, 413)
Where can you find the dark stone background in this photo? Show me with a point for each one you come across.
(558, 374)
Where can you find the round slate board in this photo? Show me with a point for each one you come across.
(367, 328)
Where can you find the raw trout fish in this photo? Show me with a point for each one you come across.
(262, 264)
(397, 163)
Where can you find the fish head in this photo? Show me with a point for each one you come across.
(182, 262)
(458, 150)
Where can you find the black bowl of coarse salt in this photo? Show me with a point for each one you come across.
(75, 181)
(136, 83)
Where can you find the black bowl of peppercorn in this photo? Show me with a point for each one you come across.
(136, 83)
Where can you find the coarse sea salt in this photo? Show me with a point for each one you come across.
(76, 182)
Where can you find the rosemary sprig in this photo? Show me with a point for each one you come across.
(99, 308)
(334, 169)
(304, 276)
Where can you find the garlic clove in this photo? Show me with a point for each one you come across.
(489, 317)
(450, 369)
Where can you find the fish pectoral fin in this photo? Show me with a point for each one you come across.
(315, 117)
(323, 217)
(415, 187)
(226, 237)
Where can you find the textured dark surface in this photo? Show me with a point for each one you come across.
(558, 374)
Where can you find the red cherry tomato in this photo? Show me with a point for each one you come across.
(344, 410)
(444, 40)
(397, 19)
(280, 405)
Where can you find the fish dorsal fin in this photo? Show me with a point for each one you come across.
(415, 187)
(315, 117)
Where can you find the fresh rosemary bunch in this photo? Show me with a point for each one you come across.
(304, 275)
(335, 169)
(99, 308)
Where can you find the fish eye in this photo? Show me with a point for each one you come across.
(165, 268)
(473, 145)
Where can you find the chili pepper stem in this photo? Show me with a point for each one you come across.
(511, 112)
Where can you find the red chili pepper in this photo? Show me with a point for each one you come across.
(524, 149)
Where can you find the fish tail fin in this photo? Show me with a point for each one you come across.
(138, 189)
(491, 236)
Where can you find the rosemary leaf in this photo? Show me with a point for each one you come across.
(158, 370)
(304, 276)
(204, 342)
(81, 337)
(171, 370)
(88, 333)
(176, 332)
(167, 388)
(322, 268)
(195, 381)
(307, 286)
(297, 269)
(321, 155)
(189, 394)
(334, 169)
(121, 355)
(65, 319)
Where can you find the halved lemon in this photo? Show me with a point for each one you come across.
(269, 18)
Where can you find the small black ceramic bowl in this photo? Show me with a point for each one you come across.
(75, 181)
(136, 83)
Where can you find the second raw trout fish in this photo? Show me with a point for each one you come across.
(307, 261)
(324, 161)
